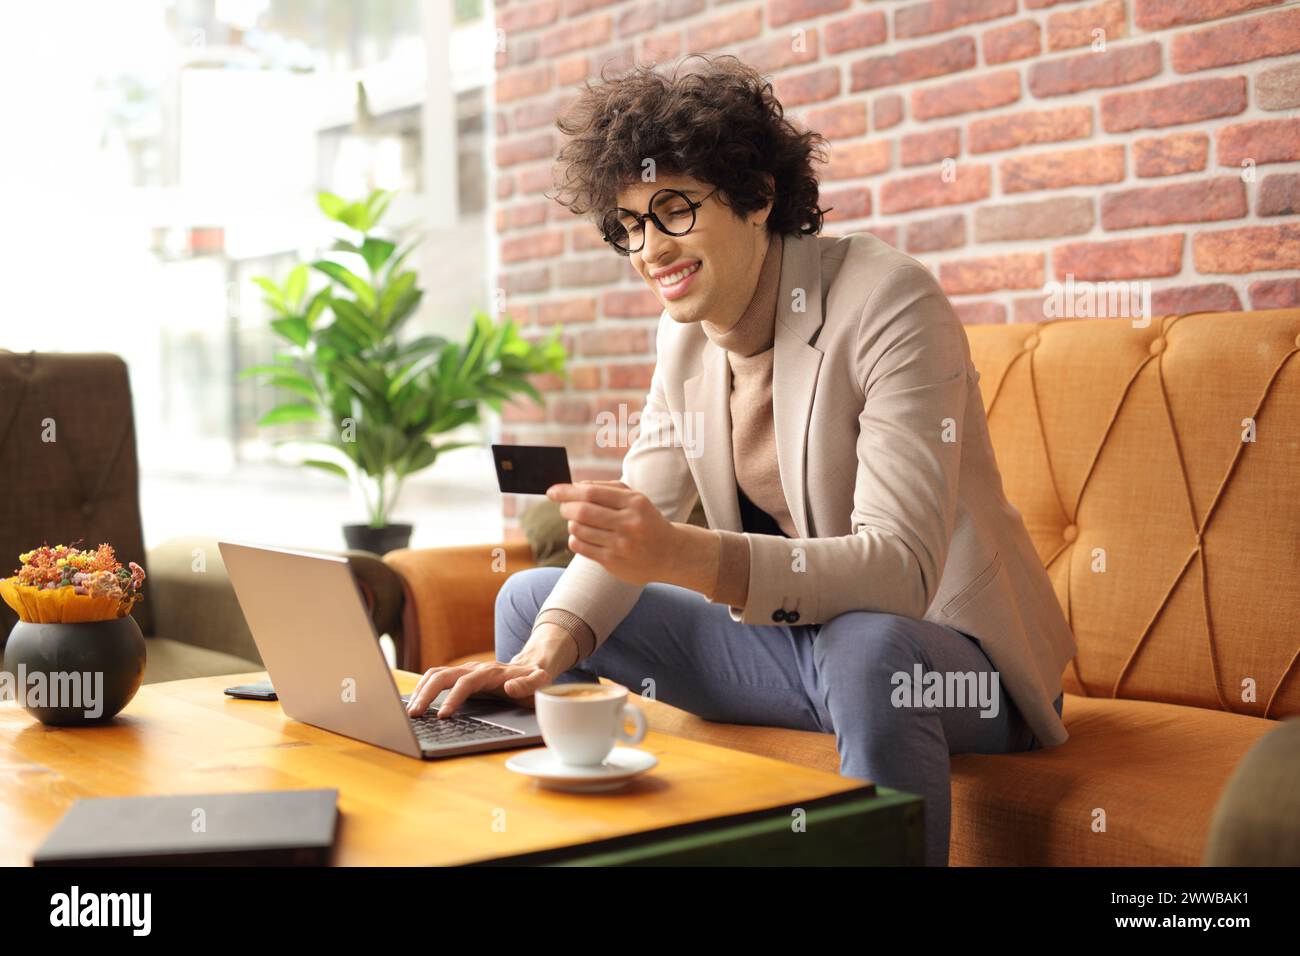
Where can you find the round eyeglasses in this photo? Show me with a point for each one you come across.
(672, 212)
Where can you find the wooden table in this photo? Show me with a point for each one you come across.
(701, 804)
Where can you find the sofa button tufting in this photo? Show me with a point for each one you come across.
(1297, 341)
(87, 508)
(1157, 345)
(1031, 342)
(1071, 532)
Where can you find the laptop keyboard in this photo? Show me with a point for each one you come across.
(434, 731)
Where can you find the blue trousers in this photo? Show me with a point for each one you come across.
(853, 676)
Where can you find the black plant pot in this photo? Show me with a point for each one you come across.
(89, 671)
(362, 537)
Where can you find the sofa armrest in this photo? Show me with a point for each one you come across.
(1257, 819)
(450, 598)
(194, 602)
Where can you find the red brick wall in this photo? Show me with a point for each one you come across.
(988, 138)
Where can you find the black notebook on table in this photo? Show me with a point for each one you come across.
(275, 828)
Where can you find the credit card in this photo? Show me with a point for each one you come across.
(530, 469)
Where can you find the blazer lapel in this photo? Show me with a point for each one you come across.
(795, 365)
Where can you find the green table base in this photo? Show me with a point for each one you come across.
(886, 829)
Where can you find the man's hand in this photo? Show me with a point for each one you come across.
(619, 528)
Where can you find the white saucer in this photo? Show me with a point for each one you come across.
(622, 764)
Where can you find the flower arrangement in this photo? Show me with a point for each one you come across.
(65, 585)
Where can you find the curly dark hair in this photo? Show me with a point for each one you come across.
(717, 121)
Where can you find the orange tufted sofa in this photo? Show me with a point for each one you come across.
(1174, 548)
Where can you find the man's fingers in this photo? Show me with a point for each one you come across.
(528, 684)
(465, 685)
(434, 680)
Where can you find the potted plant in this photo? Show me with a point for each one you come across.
(382, 402)
(76, 655)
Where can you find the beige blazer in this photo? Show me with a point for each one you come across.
(885, 459)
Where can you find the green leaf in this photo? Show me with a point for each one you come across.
(332, 467)
(393, 294)
(293, 328)
(377, 204)
(359, 287)
(330, 204)
(376, 252)
(317, 305)
(354, 320)
(283, 414)
(295, 382)
(295, 287)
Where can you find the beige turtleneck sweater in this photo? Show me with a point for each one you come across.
(749, 345)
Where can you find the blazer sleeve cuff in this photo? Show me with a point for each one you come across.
(578, 629)
(732, 585)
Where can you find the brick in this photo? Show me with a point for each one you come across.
(614, 341)
(618, 60)
(1074, 28)
(1249, 249)
(521, 281)
(636, 375)
(1205, 200)
(855, 160)
(1088, 166)
(543, 245)
(939, 16)
(966, 95)
(1274, 293)
(630, 304)
(1025, 309)
(638, 19)
(577, 36)
(1017, 270)
(515, 151)
(781, 12)
(1118, 66)
(523, 410)
(1144, 258)
(1170, 155)
(1044, 219)
(571, 70)
(980, 313)
(918, 149)
(570, 411)
(886, 111)
(811, 87)
(528, 16)
(505, 186)
(1279, 195)
(576, 8)
(522, 215)
(780, 52)
(967, 184)
(846, 204)
(516, 84)
(1015, 41)
(566, 311)
(1262, 141)
(520, 52)
(577, 273)
(855, 32)
(661, 47)
(1215, 297)
(767, 56)
(1160, 14)
(1279, 87)
(1271, 34)
(908, 66)
(1188, 102)
(679, 9)
(537, 179)
(844, 121)
(1020, 129)
(728, 28)
(933, 235)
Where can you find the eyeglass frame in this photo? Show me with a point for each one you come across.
(641, 218)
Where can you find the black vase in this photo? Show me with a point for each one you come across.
(69, 675)
(362, 537)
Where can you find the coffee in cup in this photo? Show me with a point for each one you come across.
(581, 723)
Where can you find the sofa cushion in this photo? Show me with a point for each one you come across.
(175, 660)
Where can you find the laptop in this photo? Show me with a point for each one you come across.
(309, 621)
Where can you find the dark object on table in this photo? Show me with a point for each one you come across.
(262, 690)
(273, 828)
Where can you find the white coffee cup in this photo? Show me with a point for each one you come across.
(580, 723)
